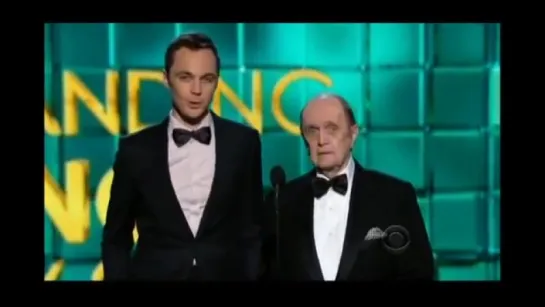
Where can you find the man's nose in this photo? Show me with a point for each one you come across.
(196, 87)
(322, 139)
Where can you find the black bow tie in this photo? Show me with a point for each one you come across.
(320, 186)
(182, 136)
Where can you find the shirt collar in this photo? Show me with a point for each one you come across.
(348, 170)
(175, 122)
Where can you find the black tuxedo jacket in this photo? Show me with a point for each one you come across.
(377, 200)
(227, 244)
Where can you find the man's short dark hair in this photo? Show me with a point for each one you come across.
(192, 41)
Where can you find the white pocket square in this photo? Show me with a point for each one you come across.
(374, 233)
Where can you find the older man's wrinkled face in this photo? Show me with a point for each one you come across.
(329, 133)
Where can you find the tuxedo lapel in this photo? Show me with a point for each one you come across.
(211, 214)
(173, 210)
(308, 246)
(358, 221)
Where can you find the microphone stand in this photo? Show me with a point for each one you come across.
(277, 226)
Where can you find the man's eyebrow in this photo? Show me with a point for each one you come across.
(187, 73)
(184, 73)
(210, 74)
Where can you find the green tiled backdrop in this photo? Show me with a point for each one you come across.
(426, 95)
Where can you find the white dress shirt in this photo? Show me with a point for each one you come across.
(191, 169)
(330, 218)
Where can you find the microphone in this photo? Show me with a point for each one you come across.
(278, 179)
(396, 239)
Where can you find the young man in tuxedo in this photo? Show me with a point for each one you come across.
(333, 220)
(191, 184)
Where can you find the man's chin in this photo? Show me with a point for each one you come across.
(326, 167)
(194, 115)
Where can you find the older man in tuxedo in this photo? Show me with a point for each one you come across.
(333, 221)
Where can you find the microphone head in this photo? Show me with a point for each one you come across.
(277, 176)
(396, 239)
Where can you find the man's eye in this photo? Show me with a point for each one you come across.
(311, 130)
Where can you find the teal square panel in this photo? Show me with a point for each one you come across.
(99, 151)
(53, 165)
(78, 271)
(496, 270)
(399, 154)
(425, 210)
(494, 218)
(85, 85)
(349, 84)
(396, 98)
(496, 161)
(460, 98)
(394, 44)
(143, 44)
(52, 154)
(498, 43)
(48, 57)
(240, 84)
(458, 161)
(480, 271)
(282, 149)
(460, 44)
(81, 44)
(53, 91)
(459, 225)
(271, 44)
(495, 97)
(224, 35)
(336, 45)
(48, 88)
(147, 93)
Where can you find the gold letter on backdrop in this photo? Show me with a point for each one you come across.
(281, 88)
(75, 90)
(134, 80)
(254, 116)
(69, 211)
(55, 271)
(51, 124)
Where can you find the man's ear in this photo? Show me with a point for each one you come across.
(354, 132)
(166, 83)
